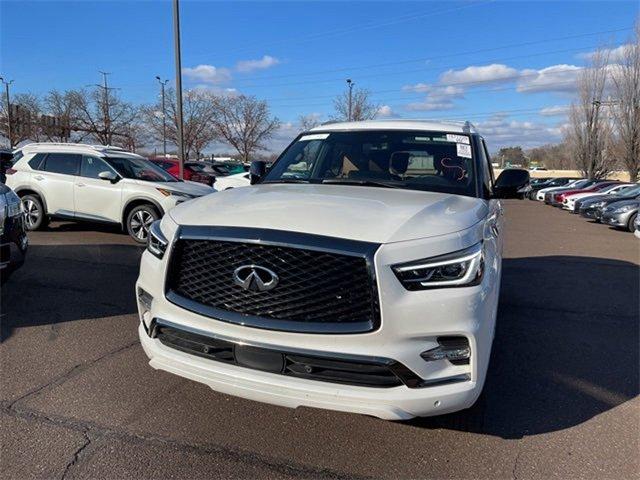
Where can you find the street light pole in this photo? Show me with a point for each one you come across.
(176, 34)
(164, 116)
(350, 83)
(6, 86)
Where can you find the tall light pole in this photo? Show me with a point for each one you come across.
(176, 35)
(6, 87)
(164, 116)
(351, 84)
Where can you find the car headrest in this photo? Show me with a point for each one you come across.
(399, 163)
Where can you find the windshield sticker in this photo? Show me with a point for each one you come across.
(457, 138)
(313, 136)
(463, 151)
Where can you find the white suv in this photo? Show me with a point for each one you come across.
(360, 273)
(95, 183)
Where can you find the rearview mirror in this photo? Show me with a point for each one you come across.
(257, 171)
(107, 175)
(512, 183)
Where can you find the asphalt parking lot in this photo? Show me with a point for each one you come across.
(78, 399)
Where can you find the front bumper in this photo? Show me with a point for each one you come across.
(620, 220)
(411, 323)
(592, 213)
(397, 403)
(13, 245)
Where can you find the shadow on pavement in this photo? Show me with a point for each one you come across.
(64, 226)
(65, 283)
(566, 347)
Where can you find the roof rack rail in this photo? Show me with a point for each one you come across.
(77, 145)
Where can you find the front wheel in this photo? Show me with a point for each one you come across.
(34, 215)
(630, 225)
(139, 220)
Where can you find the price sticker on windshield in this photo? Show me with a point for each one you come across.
(451, 137)
(463, 150)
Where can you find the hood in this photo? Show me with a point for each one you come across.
(622, 203)
(379, 215)
(190, 188)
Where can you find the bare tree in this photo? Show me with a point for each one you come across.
(626, 107)
(198, 107)
(61, 115)
(26, 110)
(553, 157)
(135, 136)
(245, 123)
(589, 131)
(362, 108)
(102, 114)
(307, 122)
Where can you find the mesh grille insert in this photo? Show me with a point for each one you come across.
(313, 286)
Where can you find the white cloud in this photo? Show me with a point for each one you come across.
(616, 54)
(438, 97)
(554, 110)
(267, 61)
(208, 74)
(556, 78)
(500, 131)
(429, 106)
(385, 111)
(484, 74)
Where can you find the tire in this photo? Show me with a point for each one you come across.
(630, 226)
(35, 216)
(139, 220)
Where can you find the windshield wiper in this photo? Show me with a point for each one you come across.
(366, 183)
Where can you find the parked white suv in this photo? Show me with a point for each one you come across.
(95, 183)
(360, 273)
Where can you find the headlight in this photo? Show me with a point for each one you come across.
(172, 193)
(599, 204)
(624, 208)
(156, 241)
(459, 269)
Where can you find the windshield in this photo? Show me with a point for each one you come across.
(631, 190)
(430, 161)
(139, 169)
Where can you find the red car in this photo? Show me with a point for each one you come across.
(173, 167)
(559, 197)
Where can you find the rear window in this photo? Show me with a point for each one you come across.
(36, 162)
(64, 163)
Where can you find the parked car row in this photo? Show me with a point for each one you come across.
(605, 201)
(220, 175)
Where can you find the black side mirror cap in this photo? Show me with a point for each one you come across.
(257, 171)
(512, 183)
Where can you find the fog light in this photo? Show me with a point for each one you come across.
(454, 349)
(145, 299)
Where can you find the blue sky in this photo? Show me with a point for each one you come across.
(507, 66)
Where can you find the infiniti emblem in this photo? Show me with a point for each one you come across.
(255, 278)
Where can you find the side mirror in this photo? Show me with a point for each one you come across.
(512, 183)
(257, 171)
(107, 175)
